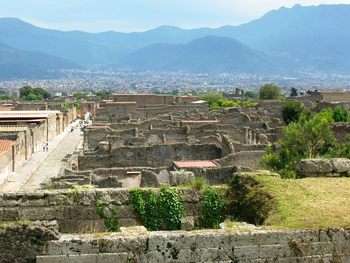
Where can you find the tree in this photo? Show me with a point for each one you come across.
(310, 137)
(270, 92)
(293, 92)
(29, 93)
(291, 111)
(250, 94)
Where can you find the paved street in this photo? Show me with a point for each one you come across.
(43, 165)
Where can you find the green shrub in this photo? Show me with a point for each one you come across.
(109, 215)
(340, 114)
(198, 183)
(162, 211)
(248, 200)
(212, 208)
(292, 111)
(145, 204)
(270, 92)
(217, 101)
(171, 208)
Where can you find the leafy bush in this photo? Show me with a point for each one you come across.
(145, 204)
(341, 149)
(216, 101)
(109, 215)
(248, 200)
(340, 114)
(198, 183)
(161, 211)
(270, 92)
(292, 111)
(212, 208)
(171, 208)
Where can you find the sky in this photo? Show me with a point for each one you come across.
(140, 15)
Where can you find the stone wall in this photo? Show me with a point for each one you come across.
(244, 159)
(152, 156)
(207, 246)
(75, 210)
(23, 242)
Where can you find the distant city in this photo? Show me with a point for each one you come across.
(183, 83)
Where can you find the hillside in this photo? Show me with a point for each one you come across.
(312, 38)
(208, 54)
(16, 63)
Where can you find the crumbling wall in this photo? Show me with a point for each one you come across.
(75, 210)
(207, 246)
(152, 156)
(246, 159)
(22, 242)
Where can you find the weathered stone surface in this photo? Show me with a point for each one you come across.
(75, 210)
(341, 165)
(180, 177)
(205, 246)
(21, 242)
(324, 167)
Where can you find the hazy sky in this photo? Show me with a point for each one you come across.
(138, 15)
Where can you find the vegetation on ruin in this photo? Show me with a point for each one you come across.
(158, 211)
(270, 92)
(109, 214)
(198, 183)
(216, 100)
(33, 94)
(310, 136)
(212, 211)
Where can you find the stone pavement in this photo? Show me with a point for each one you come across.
(43, 165)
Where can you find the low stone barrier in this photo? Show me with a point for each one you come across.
(335, 167)
(203, 246)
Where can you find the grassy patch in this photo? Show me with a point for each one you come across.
(308, 203)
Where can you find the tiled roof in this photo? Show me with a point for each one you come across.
(195, 164)
(5, 145)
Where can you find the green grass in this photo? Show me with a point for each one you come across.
(308, 203)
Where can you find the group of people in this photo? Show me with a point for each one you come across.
(45, 147)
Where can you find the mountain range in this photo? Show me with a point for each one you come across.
(312, 39)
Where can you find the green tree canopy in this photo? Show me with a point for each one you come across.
(310, 137)
(30, 94)
(270, 92)
(292, 111)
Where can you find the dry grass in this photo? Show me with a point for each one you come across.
(309, 203)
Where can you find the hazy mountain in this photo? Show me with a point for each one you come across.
(302, 38)
(208, 54)
(16, 63)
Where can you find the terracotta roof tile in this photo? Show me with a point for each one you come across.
(195, 164)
